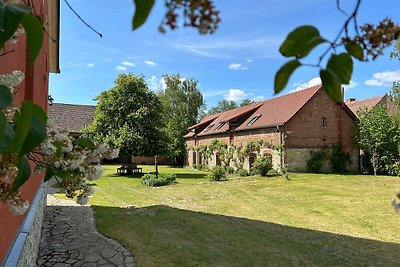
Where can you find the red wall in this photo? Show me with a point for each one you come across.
(33, 88)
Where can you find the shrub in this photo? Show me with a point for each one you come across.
(242, 172)
(316, 161)
(201, 167)
(229, 169)
(152, 180)
(262, 166)
(339, 159)
(217, 174)
(272, 172)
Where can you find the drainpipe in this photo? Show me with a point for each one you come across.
(279, 129)
(341, 120)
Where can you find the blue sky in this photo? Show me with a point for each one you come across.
(238, 61)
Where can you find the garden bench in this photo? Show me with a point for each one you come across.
(129, 168)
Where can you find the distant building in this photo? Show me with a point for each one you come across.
(300, 122)
(71, 117)
(357, 104)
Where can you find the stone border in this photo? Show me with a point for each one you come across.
(25, 248)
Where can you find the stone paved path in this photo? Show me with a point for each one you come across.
(70, 239)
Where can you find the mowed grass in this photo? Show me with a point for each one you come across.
(309, 220)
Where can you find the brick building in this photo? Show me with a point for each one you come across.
(369, 103)
(20, 234)
(299, 122)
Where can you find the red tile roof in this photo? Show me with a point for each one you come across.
(71, 117)
(277, 111)
(369, 103)
(221, 123)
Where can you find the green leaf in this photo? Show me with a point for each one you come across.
(142, 11)
(355, 50)
(22, 121)
(84, 142)
(8, 135)
(10, 17)
(342, 66)
(34, 35)
(331, 84)
(49, 174)
(301, 41)
(5, 96)
(37, 130)
(24, 171)
(284, 73)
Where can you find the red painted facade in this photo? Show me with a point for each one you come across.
(33, 88)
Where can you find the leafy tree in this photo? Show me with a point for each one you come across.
(246, 102)
(182, 104)
(395, 93)
(223, 105)
(378, 136)
(129, 117)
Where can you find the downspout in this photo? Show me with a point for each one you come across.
(341, 120)
(279, 129)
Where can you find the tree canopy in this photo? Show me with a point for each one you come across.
(182, 103)
(129, 116)
(378, 136)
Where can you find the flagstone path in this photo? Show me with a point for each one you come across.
(69, 238)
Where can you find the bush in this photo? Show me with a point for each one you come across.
(339, 159)
(242, 172)
(229, 169)
(262, 166)
(152, 180)
(316, 161)
(201, 167)
(273, 172)
(217, 174)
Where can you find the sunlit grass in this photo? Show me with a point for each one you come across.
(307, 220)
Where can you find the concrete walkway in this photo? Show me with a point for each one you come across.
(69, 238)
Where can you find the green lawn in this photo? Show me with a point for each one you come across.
(319, 220)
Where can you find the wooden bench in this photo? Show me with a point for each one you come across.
(129, 168)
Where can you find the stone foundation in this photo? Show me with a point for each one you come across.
(24, 251)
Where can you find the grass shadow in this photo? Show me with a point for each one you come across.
(191, 175)
(165, 236)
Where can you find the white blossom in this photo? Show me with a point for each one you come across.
(18, 208)
(12, 79)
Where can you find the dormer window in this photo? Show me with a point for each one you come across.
(221, 124)
(209, 127)
(253, 120)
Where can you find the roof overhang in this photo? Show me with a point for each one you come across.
(54, 33)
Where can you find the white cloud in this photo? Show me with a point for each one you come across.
(385, 78)
(237, 66)
(310, 83)
(235, 95)
(249, 60)
(128, 64)
(90, 65)
(352, 84)
(258, 98)
(121, 68)
(373, 82)
(150, 63)
(155, 84)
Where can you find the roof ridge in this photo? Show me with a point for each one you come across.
(294, 92)
(69, 104)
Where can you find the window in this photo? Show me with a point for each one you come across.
(219, 126)
(208, 127)
(323, 122)
(253, 120)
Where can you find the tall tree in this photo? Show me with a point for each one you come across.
(395, 93)
(246, 102)
(378, 136)
(223, 105)
(182, 104)
(129, 117)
